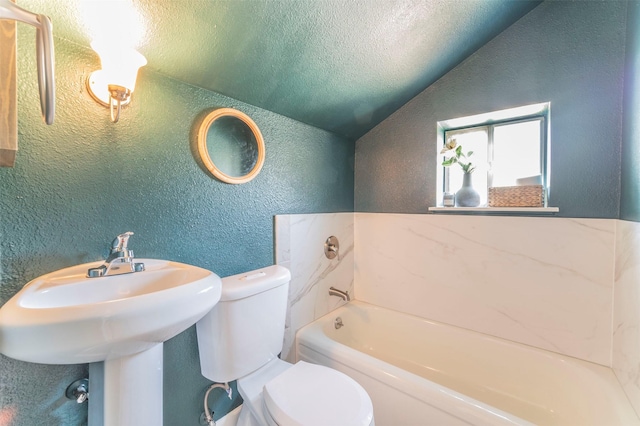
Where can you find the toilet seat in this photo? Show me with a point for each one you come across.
(309, 395)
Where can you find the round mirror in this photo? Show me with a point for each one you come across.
(231, 145)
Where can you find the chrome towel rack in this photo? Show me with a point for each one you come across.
(44, 53)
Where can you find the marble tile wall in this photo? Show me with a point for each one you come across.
(300, 247)
(626, 317)
(566, 285)
(546, 282)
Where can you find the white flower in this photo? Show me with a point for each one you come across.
(456, 156)
(450, 145)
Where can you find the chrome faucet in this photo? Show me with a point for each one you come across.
(119, 261)
(344, 295)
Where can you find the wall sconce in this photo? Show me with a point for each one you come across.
(113, 85)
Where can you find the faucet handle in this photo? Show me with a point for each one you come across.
(120, 242)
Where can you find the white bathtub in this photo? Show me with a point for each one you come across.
(421, 372)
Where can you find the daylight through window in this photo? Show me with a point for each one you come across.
(507, 146)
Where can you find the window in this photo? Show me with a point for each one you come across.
(507, 145)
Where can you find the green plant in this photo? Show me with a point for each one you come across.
(454, 155)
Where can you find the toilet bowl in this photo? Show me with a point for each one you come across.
(240, 339)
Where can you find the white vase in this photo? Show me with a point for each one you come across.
(467, 196)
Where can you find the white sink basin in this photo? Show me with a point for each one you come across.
(66, 318)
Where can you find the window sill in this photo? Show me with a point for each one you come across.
(515, 211)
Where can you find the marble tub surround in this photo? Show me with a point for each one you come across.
(626, 317)
(545, 282)
(299, 246)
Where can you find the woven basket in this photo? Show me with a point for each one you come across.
(516, 196)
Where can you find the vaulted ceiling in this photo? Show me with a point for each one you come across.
(339, 65)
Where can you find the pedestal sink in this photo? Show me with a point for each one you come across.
(116, 323)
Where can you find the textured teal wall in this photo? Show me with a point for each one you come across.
(83, 180)
(630, 182)
(568, 53)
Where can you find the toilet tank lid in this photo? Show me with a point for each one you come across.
(249, 283)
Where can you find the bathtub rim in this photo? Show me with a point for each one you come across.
(411, 385)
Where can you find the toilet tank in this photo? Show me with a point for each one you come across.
(244, 331)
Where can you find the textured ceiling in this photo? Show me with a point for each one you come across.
(340, 65)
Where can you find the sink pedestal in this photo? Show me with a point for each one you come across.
(127, 390)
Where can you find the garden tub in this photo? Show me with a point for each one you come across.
(421, 372)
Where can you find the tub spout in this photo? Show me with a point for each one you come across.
(344, 295)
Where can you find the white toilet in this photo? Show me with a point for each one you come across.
(240, 339)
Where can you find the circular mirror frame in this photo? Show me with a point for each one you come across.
(204, 152)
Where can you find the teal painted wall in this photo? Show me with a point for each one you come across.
(83, 180)
(630, 182)
(568, 53)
